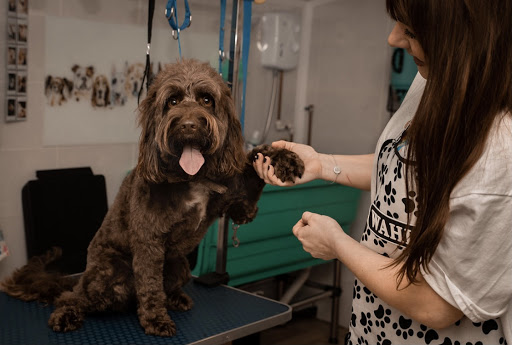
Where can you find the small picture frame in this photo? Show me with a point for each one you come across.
(22, 8)
(11, 56)
(22, 31)
(12, 79)
(10, 112)
(11, 7)
(12, 30)
(21, 58)
(21, 109)
(21, 83)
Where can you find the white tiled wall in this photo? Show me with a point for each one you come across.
(348, 77)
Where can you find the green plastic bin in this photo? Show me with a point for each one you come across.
(267, 245)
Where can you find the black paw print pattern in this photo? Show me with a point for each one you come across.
(382, 314)
(386, 148)
(366, 322)
(402, 327)
(381, 337)
(366, 234)
(398, 171)
(392, 215)
(382, 173)
(370, 297)
(428, 335)
(487, 326)
(357, 291)
(410, 203)
(389, 197)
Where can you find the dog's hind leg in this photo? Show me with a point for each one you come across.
(108, 286)
(69, 314)
(177, 274)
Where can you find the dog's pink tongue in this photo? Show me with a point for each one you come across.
(191, 160)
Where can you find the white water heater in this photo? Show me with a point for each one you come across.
(279, 40)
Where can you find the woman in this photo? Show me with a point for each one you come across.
(434, 264)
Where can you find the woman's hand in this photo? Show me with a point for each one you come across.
(312, 164)
(318, 235)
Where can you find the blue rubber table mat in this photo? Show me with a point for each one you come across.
(220, 314)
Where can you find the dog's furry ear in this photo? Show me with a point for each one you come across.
(148, 162)
(233, 159)
(89, 71)
(47, 83)
(68, 85)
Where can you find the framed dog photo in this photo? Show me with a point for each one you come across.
(12, 30)
(22, 8)
(21, 109)
(11, 57)
(21, 62)
(10, 112)
(11, 83)
(21, 83)
(22, 29)
(11, 7)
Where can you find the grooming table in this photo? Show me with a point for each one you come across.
(220, 314)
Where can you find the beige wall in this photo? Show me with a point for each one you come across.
(348, 78)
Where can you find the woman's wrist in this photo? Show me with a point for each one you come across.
(330, 168)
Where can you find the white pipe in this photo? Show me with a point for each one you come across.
(299, 120)
(296, 285)
(301, 101)
(271, 107)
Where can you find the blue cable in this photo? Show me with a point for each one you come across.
(221, 33)
(245, 53)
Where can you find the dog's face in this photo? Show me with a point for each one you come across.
(189, 127)
(82, 77)
(134, 74)
(57, 89)
(117, 86)
(11, 56)
(100, 92)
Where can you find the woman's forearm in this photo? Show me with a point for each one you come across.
(419, 301)
(356, 170)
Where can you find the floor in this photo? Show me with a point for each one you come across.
(301, 330)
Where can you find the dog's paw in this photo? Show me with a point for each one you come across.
(180, 302)
(287, 164)
(242, 212)
(65, 319)
(160, 325)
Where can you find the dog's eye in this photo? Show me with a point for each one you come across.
(173, 101)
(207, 100)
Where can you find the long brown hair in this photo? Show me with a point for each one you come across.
(467, 44)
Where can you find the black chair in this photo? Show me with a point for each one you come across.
(64, 208)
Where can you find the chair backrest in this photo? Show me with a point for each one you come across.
(64, 208)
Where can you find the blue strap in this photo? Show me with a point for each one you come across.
(245, 53)
(171, 12)
(171, 8)
(221, 33)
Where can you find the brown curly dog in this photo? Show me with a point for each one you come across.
(192, 168)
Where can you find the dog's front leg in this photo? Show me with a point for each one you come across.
(148, 266)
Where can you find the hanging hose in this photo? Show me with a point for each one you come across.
(275, 75)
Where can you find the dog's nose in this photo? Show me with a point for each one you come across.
(188, 126)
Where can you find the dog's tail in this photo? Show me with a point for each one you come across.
(33, 282)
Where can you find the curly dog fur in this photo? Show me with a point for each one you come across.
(164, 206)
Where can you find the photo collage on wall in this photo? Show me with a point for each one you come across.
(17, 29)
